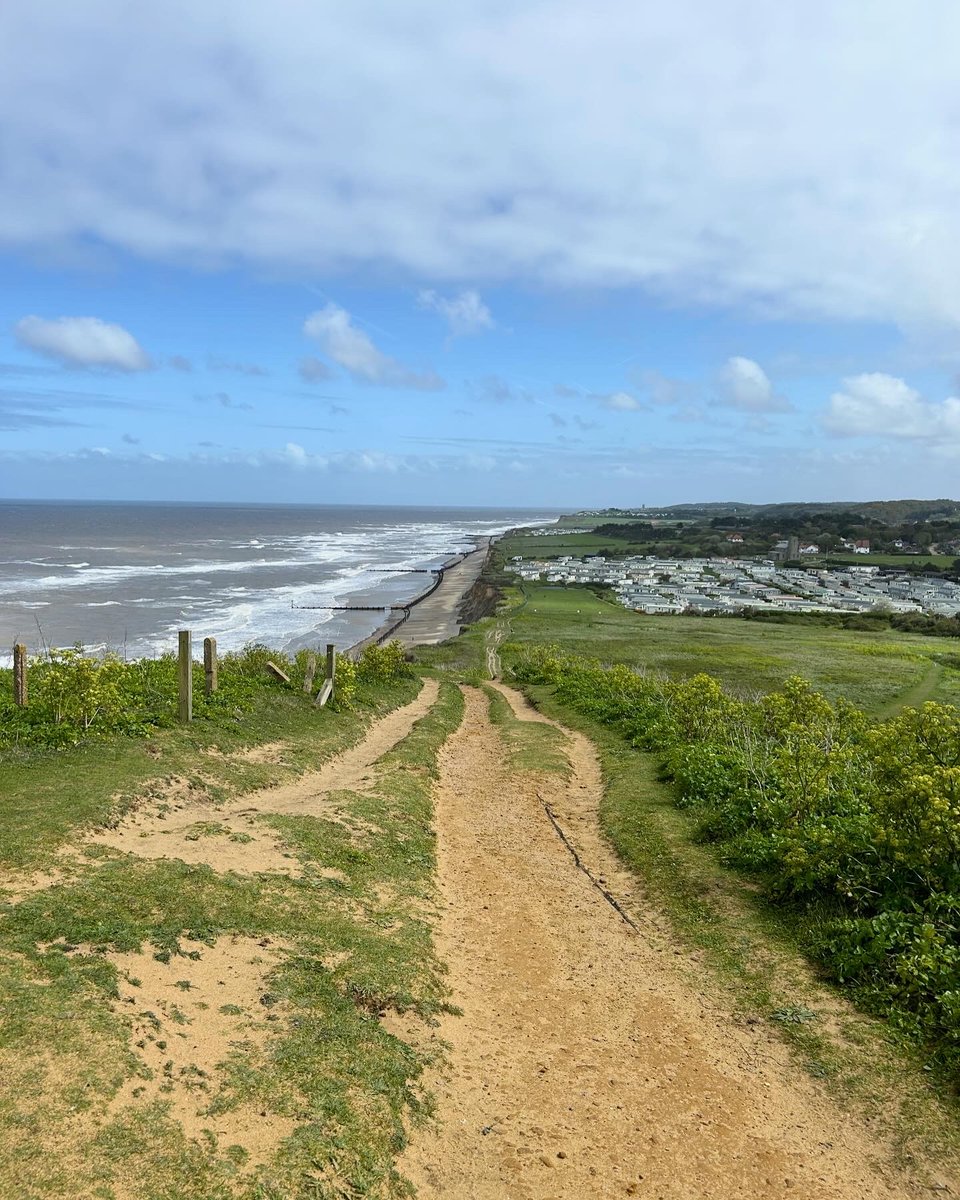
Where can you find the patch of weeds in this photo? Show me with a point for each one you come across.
(794, 1014)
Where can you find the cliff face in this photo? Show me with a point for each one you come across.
(480, 601)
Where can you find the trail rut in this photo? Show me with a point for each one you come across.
(230, 836)
(585, 1064)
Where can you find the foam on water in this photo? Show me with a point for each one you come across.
(132, 581)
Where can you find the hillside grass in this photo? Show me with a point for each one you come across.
(47, 795)
(356, 944)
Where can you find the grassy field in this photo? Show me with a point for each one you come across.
(903, 561)
(553, 545)
(872, 670)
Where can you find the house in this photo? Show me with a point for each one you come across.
(861, 547)
(810, 548)
(735, 537)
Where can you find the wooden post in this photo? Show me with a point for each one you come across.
(278, 672)
(210, 681)
(331, 661)
(326, 688)
(309, 673)
(20, 675)
(185, 710)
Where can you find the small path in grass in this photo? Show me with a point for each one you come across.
(914, 696)
(178, 821)
(585, 1063)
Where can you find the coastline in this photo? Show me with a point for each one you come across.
(433, 616)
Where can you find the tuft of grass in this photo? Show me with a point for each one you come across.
(530, 745)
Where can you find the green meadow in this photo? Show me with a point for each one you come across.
(872, 670)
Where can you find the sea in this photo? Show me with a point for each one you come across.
(124, 577)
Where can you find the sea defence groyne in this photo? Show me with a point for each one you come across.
(433, 616)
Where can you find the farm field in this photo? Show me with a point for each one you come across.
(553, 545)
(903, 561)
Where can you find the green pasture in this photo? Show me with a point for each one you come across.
(553, 545)
(903, 561)
(875, 671)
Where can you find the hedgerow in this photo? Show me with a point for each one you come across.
(853, 823)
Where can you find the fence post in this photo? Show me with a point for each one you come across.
(331, 663)
(308, 674)
(185, 710)
(20, 675)
(210, 665)
(326, 688)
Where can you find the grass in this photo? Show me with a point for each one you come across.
(553, 545)
(39, 810)
(530, 745)
(358, 945)
(904, 561)
(872, 670)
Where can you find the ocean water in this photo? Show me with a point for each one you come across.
(126, 577)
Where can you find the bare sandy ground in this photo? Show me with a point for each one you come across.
(188, 1017)
(585, 1064)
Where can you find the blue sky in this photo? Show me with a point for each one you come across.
(485, 253)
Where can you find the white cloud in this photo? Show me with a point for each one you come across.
(620, 402)
(465, 314)
(82, 342)
(883, 405)
(353, 350)
(744, 384)
(797, 167)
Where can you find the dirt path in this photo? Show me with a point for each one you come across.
(585, 1064)
(231, 836)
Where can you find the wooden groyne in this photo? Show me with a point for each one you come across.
(401, 614)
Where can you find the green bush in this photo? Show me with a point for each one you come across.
(75, 697)
(381, 664)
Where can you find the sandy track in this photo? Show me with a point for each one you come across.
(585, 1064)
(169, 829)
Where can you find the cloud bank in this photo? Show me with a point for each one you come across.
(714, 153)
(878, 405)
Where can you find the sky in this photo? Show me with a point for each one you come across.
(483, 253)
